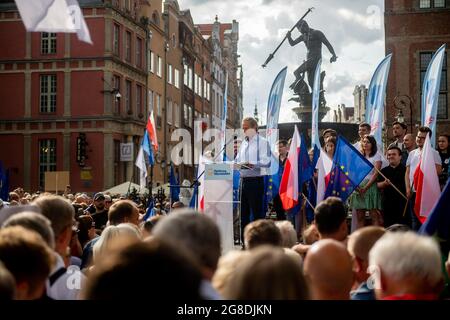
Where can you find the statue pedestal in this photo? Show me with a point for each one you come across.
(304, 113)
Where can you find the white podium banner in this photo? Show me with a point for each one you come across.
(218, 193)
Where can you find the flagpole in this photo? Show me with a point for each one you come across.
(406, 206)
(381, 174)
(306, 198)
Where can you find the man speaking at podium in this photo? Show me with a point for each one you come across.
(253, 161)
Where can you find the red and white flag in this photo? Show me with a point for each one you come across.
(426, 183)
(289, 192)
(152, 132)
(201, 186)
(324, 164)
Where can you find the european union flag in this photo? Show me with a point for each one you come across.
(193, 202)
(349, 169)
(174, 187)
(305, 166)
(438, 222)
(150, 210)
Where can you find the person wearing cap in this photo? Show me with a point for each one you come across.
(98, 211)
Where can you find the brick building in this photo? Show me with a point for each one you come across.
(54, 89)
(414, 30)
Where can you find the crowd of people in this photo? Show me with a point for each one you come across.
(73, 246)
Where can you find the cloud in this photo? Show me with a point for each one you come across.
(354, 28)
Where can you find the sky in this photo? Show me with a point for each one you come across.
(355, 29)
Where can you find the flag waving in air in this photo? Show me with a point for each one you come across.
(426, 183)
(289, 191)
(54, 16)
(430, 90)
(375, 99)
(324, 165)
(350, 167)
(438, 221)
(152, 132)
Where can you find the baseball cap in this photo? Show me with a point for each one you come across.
(99, 196)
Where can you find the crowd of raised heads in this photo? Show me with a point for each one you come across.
(49, 249)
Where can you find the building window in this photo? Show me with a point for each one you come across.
(158, 112)
(47, 97)
(186, 75)
(139, 99)
(425, 58)
(169, 111)
(150, 101)
(424, 4)
(128, 96)
(177, 114)
(116, 40)
(174, 40)
(169, 74)
(427, 4)
(152, 62)
(190, 78)
(186, 115)
(48, 43)
(128, 46)
(47, 158)
(116, 100)
(159, 71)
(190, 116)
(128, 5)
(177, 78)
(139, 52)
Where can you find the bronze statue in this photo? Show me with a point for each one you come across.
(313, 40)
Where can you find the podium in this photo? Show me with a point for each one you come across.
(218, 195)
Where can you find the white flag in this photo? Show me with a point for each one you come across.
(54, 16)
(140, 163)
(76, 14)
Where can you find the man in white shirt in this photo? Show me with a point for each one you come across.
(253, 159)
(411, 165)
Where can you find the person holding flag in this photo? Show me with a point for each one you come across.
(413, 166)
(282, 157)
(367, 196)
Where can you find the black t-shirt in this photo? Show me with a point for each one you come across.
(100, 219)
(393, 202)
(445, 158)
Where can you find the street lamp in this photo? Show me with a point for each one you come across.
(400, 102)
(400, 116)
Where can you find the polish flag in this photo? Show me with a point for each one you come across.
(152, 132)
(201, 188)
(426, 183)
(324, 165)
(289, 192)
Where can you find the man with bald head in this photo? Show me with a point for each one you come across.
(328, 270)
(409, 144)
(359, 244)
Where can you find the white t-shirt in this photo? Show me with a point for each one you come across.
(414, 160)
(372, 160)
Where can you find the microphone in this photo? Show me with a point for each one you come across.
(247, 138)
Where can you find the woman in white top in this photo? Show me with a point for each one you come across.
(367, 197)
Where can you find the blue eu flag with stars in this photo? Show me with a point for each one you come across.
(349, 169)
